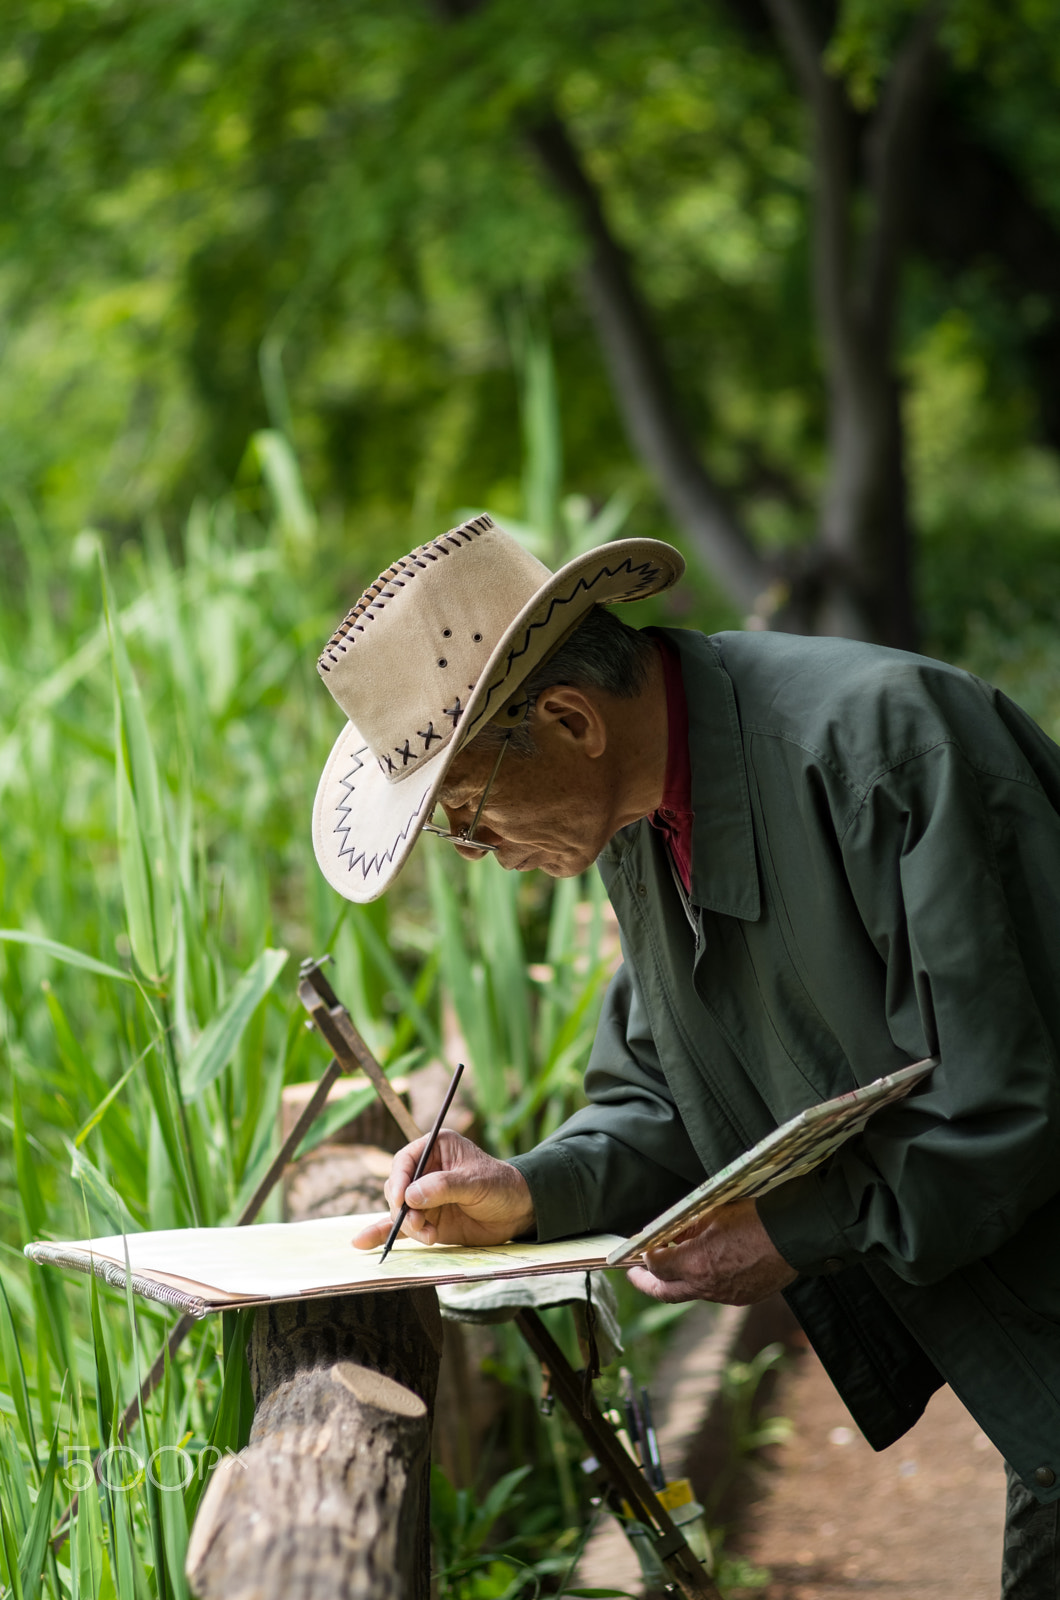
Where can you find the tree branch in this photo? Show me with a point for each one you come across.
(641, 383)
(830, 145)
(891, 144)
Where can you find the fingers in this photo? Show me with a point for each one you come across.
(429, 1195)
(441, 1189)
(675, 1261)
(420, 1227)
(670, 1291)
(727, 1262)
(401, 1170)
(375, 1234)
(434, 1189)
(415, 1226)
(465, 1197)
(671, 1273)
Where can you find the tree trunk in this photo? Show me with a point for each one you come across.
(855, 579)
(866, 549)
(858, 580)
(330, 1499)
(641, 381)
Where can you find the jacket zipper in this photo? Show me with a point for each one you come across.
(685, 898)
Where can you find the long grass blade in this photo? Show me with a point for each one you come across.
(64, 952)
(105, 1397)
(142, 839)
(13, 1481)
(17, 1386)
(220, 1039)
(31, 1556)
(86, 1540)
(99, 1193)
(9, 1544)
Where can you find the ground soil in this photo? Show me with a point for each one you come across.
(830, 1518)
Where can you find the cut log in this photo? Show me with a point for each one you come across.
(330, 1499)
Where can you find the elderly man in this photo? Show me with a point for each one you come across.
(827, 860)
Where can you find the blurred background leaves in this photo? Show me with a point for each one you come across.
(327, 220)
(286, 289)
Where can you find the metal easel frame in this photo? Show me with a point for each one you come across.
(335, 1025)
(625, 1479)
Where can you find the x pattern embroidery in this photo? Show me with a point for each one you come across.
(388, 766)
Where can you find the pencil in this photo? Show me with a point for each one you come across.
(425, 1156)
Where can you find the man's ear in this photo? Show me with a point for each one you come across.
(573, 716)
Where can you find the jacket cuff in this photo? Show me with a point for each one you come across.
(555, 1190)
(800, 1225)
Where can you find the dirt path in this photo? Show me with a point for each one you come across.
(920, 1521)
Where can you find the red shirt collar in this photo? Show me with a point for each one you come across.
(674, 817)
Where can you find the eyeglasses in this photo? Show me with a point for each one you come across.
(466, 836)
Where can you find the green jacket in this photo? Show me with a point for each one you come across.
(875, 878)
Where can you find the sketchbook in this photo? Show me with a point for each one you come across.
(789, 1151)
(200, 1270)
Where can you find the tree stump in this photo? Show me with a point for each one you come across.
(330, 1499)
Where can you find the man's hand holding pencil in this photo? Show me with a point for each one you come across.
(464, 1197)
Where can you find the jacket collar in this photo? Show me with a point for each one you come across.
(724, 867)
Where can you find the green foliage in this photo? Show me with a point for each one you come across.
(145, 1019)
(318, 228)
(461, 1526)
(749, 1431)
(337, 201)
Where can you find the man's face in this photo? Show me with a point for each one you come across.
(552, 810)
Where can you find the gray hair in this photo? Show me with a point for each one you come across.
(602, 653)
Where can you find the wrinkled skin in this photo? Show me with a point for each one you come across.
(599, 764)
(729, 1259)
(467, 1197)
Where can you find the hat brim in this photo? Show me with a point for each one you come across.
(365, 825)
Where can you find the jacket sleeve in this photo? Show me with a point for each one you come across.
(626, 1156)
(956, 874)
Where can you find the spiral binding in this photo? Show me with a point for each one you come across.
(115, 1276)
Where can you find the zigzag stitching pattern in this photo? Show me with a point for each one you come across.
(648, 572)
(360, 858)
(377, 862)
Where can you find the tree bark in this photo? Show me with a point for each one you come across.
(856, 578)
(858, 582)
(330, 1499)
(641, 382)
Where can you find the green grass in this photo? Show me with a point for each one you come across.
(161, 731)
(163, 728)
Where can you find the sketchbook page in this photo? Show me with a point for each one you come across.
(788, 1152)
(286, 1261)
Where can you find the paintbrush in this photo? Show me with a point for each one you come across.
(425, 1156)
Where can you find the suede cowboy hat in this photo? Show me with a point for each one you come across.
(434, 649)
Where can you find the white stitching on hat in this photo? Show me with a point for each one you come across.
(344, 806)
